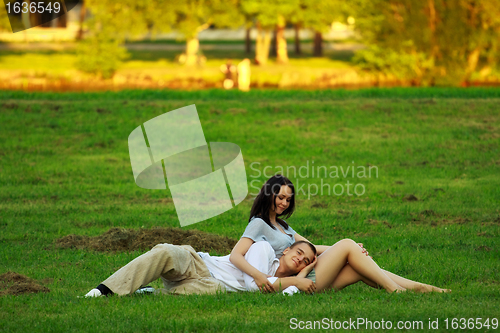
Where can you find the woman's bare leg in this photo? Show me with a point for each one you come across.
(348, 276)
(333, 260)
(414, 285)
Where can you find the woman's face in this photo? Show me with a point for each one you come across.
(283, 199)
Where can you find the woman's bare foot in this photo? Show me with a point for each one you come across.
(440, 290)
(427, 288)
(400, 290)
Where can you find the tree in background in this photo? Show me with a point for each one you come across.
(296, 29)
(248, 27)
(194, 16)
(100, 55)
(253, 8)
(112, 23)
(270, 15)
(318, 16)
(83, 12)
(432, 41)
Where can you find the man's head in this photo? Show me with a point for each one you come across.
(297, 256)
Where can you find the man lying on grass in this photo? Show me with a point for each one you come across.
(184, 271)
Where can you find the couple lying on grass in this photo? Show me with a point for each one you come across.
(270, 257)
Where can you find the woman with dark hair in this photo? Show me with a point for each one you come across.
(337, 266)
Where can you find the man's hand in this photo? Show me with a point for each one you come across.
(305, 285)
(306, 270)
(263, 283)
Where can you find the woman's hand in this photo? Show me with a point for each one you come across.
(305, 285)
(364, 250)
(263, 283)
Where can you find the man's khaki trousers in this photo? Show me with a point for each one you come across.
(179, 266)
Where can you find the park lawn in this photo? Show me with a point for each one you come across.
(65, 170)
(161, 66)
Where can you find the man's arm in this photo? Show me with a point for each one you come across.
(306, 270)
(319, 248)
(303, 284)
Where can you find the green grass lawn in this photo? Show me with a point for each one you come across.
(65, 169)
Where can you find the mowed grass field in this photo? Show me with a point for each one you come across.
(430, 209)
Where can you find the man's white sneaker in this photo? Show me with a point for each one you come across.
(94, 293)
(145, 290)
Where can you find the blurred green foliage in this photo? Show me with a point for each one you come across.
(433, 42)
(387, 61)
(100, 55)
(319, 15)
(112, 23)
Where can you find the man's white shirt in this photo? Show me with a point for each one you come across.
(260, 255)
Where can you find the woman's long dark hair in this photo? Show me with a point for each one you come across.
(267, 198)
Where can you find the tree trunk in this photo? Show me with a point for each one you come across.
(83, 11)
(192, 55)
(273, 43)
(262, 45)
(318, 44)
(297, 39)
(266, 45)
(432, 28)
(62, 21)
(25, 17)
(472, 61)
(192, 48)
(473, 57)
(281, 50)
(248, 41)
(258, 45)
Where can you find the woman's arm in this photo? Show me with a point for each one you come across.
(322, 248)
(237, 258)
(319, 248)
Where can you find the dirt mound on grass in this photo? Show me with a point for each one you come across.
(120, 240)
(12, 283)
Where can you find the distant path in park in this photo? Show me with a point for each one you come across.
(328, 46)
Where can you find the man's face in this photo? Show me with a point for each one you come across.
(297, 257)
